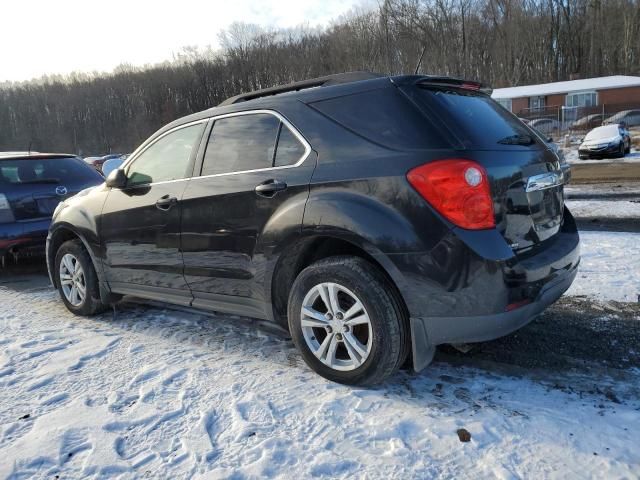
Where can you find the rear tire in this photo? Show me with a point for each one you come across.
(77, 280)
(352, 345)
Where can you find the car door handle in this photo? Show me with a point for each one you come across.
(270, 188)
(166, 202)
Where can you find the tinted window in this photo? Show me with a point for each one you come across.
(477, 119)
(244, 142)
(289, 150)
(167, 159)
(383, 116)
(52, 170)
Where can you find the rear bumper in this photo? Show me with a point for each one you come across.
(429, 332)
(488, 291)
(24, 238)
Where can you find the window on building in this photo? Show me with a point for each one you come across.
(582, 99)
(536, 103)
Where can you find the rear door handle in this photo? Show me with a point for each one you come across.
(270, 188)
(166, 202)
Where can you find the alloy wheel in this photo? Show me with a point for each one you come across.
(72, 279)
(336, 326)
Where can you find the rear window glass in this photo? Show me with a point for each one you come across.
(478, 121)
(383, 116)
(52, 170)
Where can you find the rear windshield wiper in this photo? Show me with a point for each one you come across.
(39, 180)
(522, 139)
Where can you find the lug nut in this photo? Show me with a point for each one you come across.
(328, 328)
(339, 316)
(339, 336)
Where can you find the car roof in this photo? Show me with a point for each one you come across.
(313, 90)
(33, 155)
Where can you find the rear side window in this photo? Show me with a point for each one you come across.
(383, 116)
(250, 142)
(476, 119)
(51, 170)
(243, 142)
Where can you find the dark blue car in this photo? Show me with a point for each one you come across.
(31, 186)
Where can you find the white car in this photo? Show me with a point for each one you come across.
(605, 141)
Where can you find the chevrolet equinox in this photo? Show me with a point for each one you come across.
(373, 217)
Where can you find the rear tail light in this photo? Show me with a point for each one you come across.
(458, 189)
(6, 214)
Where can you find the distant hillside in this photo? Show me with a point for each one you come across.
(499, 42)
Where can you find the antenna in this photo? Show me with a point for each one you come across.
(30, 143)
(424, 49)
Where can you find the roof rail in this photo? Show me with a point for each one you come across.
(295, 86)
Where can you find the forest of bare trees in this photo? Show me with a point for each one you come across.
(499, 42)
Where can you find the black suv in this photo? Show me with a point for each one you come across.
(373, 217)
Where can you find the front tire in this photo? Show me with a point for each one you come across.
(77, 280)
(348, 322)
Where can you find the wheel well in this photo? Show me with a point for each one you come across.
(60, 236)
(303, 254)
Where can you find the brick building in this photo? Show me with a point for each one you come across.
(588, 93)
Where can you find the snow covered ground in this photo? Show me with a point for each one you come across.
(610, 266)
(158, 393)
(605, 208)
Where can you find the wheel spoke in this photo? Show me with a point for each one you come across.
(333, 297)
(74, 295)
(322, 349)
(353, 355)
(361, 320)
(330, 356)
(68, 263)
(356, 308)
(313, 318)
(351, 341)
(324, 294)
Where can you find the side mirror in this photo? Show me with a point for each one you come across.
(111, 165)
(549, 139)
(117, 179)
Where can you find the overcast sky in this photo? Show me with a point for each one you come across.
(60, 36)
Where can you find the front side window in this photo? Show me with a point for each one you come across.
(240, 143)
(167, 159)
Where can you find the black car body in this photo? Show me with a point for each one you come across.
(31, 186)
(352, 165)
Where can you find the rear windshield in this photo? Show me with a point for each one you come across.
(47, 170)
(384, 116)
(476, 119)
